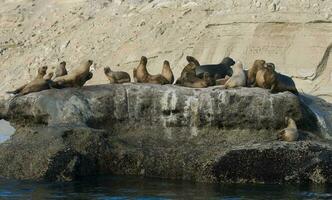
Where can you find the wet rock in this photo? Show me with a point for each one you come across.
(209, 135)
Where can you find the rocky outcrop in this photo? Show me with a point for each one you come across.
(209, 135)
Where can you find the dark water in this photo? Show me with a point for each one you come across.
(118, 188)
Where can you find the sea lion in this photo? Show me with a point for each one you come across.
(116, 76)
(238, 79)
(266, 76)
(41, 72)
(258, 65)
(60, 70)
(167, 72)
(222, 81)
(189, 71)
(142, 75)
(222, 69)
(194, 82)
(49, 76)
(290, 133)
(75, 78)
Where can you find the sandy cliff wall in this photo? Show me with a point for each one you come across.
(294, 34)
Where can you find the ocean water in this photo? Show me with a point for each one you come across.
(118, 188)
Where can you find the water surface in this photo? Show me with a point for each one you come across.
(118, 188)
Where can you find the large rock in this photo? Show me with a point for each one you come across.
(173, 132)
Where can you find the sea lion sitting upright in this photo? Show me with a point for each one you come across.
(167, 72)
(189, 71)
(142, 75)
(41, 72)
(60, 70)
(266, 76)
(290, 133)
(116, 76)
(238, 79)
(75, 78)
(258, 65)
(222, 69)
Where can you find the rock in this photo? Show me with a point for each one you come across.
(208, 135)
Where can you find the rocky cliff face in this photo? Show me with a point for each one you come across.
(210, 135)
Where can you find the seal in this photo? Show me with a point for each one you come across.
(222, 81)
(142, 75)
(268, 78)
(167, 72)
(76, 78)
(60, 70)
(220, 70)
(238, 78)
(290, 133)
(188, 81)
(41, 72)
(116, 76)
(258, 65)
(189, 71)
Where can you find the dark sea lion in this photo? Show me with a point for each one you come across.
(75, 78)
(258, 65)
(222, 69)
(167, 72)
(116, 76)
(60, 70)
(41, 72)
(143, 76)
(290, 133)
(284, 83)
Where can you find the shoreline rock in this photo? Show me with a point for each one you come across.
(205, 135)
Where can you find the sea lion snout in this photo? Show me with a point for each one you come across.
(144, 60)
(107, 69)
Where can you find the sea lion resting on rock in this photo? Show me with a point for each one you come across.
(38, 84)
(268, 78)
(188, 76)
(290, 133)
(60, 70)
(116, 76)
(41, 72)
(216, 71)
(258, 65)
(167, 72)
(76, 78)
(238, 79)
(141, 74)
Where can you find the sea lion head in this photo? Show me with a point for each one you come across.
(63, 64)
(166, 63)
(227, 61)
(259, 63)
(144, 60)
(270, 65)
(238, 66)
(107, 70)
(42, 70)
(193, 60)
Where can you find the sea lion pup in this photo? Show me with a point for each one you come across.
(167, 72)
(222, 69)
(60, 70)
(143, 76)
(41, 72)
(238, 79)
(290, 133)
(116, 76)
(75, 78)
(258, 65)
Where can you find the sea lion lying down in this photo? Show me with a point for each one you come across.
(217, 71)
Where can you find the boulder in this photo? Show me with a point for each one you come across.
(206, 135)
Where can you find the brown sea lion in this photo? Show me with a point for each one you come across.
(75, 78)
(188, 80)
(238, 78)
(290, 133)
(189, 71)
(258, 65)
(49, 76)
(142, 75)
(222, 81)
(41, 72)
(116, 76)
(60, 70)
(167, 72)
(266, 77)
